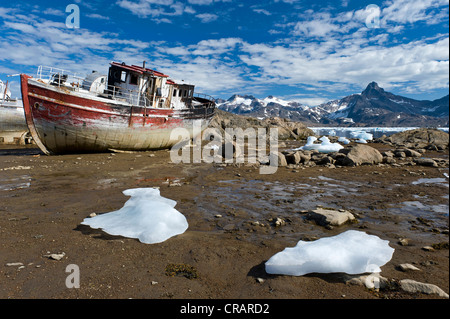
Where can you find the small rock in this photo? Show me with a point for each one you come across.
(403, 241)
(371, 281)
(408, 267)
(18, 264)
(92, 215)
(229, 227)
(331, 217)
(174, 184)
(428, 248)
(56, 256)
(260, 280)
(277, 222)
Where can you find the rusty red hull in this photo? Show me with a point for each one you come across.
(64, 121)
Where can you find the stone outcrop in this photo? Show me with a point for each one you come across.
(427, 138)
(286, 129)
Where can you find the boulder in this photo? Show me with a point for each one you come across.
(412, 286)
(425, 162)
(359, 154)
(293, 157)
(305, 156)
(279, 157)
(408, 152)
(389, 160)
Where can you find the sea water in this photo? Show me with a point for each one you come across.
(349, 132)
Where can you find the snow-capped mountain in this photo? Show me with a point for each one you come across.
(373, 106)
(263, 108)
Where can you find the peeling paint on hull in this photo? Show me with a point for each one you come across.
(63, 121)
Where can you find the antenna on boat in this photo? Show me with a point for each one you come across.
(143, 66)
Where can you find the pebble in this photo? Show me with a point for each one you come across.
(14, 264)
(174, 184)
(55, 256)
(408, 267)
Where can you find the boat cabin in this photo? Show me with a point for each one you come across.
(145, 87)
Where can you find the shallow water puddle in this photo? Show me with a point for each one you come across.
(438, 181)
(259, 198)
(9, 184)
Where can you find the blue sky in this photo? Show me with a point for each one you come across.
(308, 51)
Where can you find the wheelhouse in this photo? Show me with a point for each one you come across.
(146, 87)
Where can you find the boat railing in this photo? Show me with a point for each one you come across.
(209, 100)
(73, 81)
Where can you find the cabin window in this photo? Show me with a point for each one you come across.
(133, 79)
(179, 93)
(185, 93)
(174, 92)
(123, 76)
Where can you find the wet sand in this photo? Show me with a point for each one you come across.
(43, 200)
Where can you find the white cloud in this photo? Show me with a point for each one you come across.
(45, 42)
(97, 16)
(322, 51)
(200, 2)
(309, 101)
(406, 11)
(207, 17)
(263, 11)
(423, 64)
(51, 11)
(154, 8)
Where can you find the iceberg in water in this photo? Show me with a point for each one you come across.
(352, 252)
(146, 216)
(325, 147)
(343, 140)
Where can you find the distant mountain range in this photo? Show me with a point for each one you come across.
(373, 107)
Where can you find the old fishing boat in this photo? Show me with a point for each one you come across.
(133, 108)
(13, 128)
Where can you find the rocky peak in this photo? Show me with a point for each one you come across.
(372, 90)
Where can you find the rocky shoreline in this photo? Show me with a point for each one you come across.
(237, 218)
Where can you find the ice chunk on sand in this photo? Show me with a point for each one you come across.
(352, 252)
(325, 147)
(146, 216)
(344, 140)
